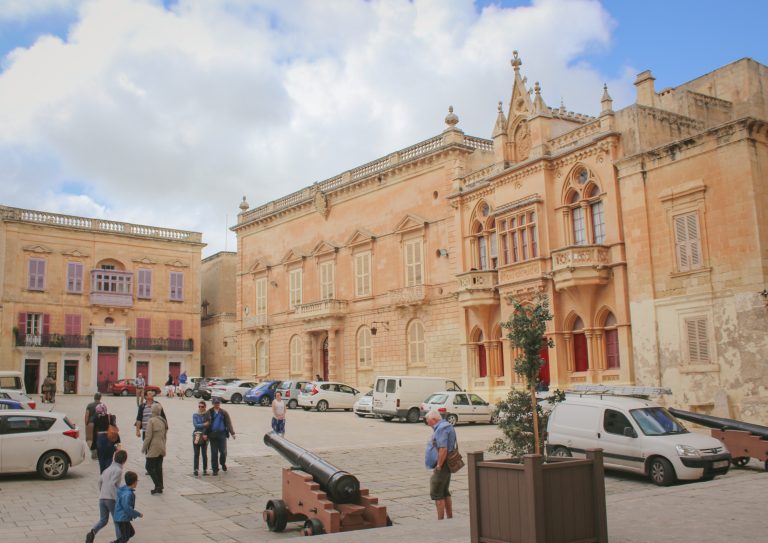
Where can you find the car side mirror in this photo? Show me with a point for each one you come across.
(629, 432)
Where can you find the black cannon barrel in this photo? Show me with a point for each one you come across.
(720, 423)
(340, 486)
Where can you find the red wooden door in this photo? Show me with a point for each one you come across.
(174, 369)
(581, 358)
(544, 371)
(143, 369)
(107, 371)
(482, 363)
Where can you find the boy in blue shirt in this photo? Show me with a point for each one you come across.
(124, 508)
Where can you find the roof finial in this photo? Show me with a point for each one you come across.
(500, 107)
(562, 106)
(451, 119)
(606, 101)
(538, 102)
(500, 128)
(244, 205)
(516, 62)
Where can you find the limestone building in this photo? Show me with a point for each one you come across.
(93, 301)
(645, 227)
(218, 333)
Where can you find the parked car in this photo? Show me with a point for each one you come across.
(458, 407)
(324, 396)
(40, 441)
(11, 404)
(636, 435)
(401, 396)
(127, 387)
(12, 388)
(233, 391)
(191, 384)
(363, 407)
(262, 394)
(291, 391)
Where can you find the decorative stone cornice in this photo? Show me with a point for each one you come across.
(145, 260)
(38, 249)
(76, 253)
(177, 264)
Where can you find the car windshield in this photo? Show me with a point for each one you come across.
(284, 385)
(656, 421)
(10, 382)
(437, 398)
(261, 385)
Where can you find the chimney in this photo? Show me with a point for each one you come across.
(646, 94)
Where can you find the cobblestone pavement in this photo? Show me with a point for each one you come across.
(386, 457)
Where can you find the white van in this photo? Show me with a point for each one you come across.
(635, 435)
(402, 396)
(12, 388)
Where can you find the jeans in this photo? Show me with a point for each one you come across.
(106, 508)
(105, 450)
(202, 447)
(218, 450)
(126, 532)
(155, 468)
(278, 426)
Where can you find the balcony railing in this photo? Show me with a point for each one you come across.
(255, 321)
(581, 266)
(323, 308)
(407, 296)
(53, 340)
(478, 287)
(159, 344)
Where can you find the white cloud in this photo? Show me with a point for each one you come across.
(168, 117)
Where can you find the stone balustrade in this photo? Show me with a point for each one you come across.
(255, 321)
(321, 309)
(581, 266)
(407, 296)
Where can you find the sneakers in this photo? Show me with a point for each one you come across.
(89, 536)
(224, 467)
(215, 473)
(156, 491)
(205, 473)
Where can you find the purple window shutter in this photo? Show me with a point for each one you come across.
(78, 278)
(177, 286)
(22, 325)
(41, 274)
(173, 286)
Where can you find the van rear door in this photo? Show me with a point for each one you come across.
(385, 395)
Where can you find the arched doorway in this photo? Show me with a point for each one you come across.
(482, 358)
(580, 353)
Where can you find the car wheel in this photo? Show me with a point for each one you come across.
(53, 465)
(206, 396)
(661, 472)
(124, 393)
(387, 418)
(293, 404)
(236, 398)
(361, 415)
(560, 452)
(265, 401)
(250, 403)
(188, 393)
(413, 415)
(305, 408)
(452, 419)
(322, 406)
(494, 419)
(276, 515)
(196, 394)
(740, 461)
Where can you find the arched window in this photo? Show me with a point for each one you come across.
(587, 209)
(417, 352)
(484, 239)
(612, 360)
(580, 353)
(295, 350)
(482, 357)
(261, 354)
(364, 347)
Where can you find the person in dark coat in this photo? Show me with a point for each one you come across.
(105, 449)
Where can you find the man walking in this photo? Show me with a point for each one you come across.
(218, 433)
(140, 384)
(155, 447)
(90, 414)
(109, 482)
(442, 442)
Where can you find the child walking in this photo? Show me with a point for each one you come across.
(109, 481)
(278, 414)
(124, 508)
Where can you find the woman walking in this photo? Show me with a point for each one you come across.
(154, 447)
(200, 421)
(105, 449)
(278, 414)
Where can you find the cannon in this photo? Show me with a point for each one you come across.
(743, 440)
(325, 498)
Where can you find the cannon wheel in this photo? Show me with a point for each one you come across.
(413, 415)
(276, 515)
(313, 526)
(740, 461)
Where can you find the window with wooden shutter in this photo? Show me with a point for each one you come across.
(295, 350)
(697, 336)
(414, 272)
(295, 288)
(364, 347)
(74, 277)
(363, 274)
(261, 296)
(177, 286)
(612, 349)
(326, 280)
(144, 284)
(688, 242)
(416, 346)
(143, 333)
(36, 280)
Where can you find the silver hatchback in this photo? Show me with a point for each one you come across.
(458, 407)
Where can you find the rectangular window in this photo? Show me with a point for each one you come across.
(143, 334)
(698, 340)
(518, 237)
(145, 284)
(36, 279)
(598, 223)
(326, 280)
(363, 274)
(502, 229)
(177, 286)
(72, 324)
(414, 269)
(579, 227)
(688, 241)
(175, 328)
(494, 251)
(294, 291)
(75, 277)
(34, 324)
(261, 296)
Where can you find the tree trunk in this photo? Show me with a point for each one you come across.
(536, 444)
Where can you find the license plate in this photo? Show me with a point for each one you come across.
(720, 464)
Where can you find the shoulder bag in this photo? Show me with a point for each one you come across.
(113, 432)
(454, 460)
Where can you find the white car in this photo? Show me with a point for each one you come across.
(363, 407)
(12, 388)
(39, 441)
(324, 396)
(231, 392)
(458, 407)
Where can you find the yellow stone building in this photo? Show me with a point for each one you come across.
(645, 226)
(92, 301)
(218, 332)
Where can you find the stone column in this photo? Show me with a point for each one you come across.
(592, 357)
(472, 359)
(332, 370)
(306, 344)
(588, 230)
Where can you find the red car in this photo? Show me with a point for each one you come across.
(127, 387)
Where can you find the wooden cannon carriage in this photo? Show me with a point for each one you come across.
(325, 498)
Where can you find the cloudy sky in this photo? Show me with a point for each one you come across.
(168, 112)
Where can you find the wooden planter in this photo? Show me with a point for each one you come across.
(561, 501)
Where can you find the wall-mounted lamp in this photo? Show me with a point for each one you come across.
(88, 357)
(441, 252)
(383, 324)
(273, 283)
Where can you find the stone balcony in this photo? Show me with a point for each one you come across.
(586, 265)
(320, 310)
(478, 288)
(255, 322)
(403, 297)
(112, 299)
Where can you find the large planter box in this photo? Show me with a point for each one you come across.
(560, 501)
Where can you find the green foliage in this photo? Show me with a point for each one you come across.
(516, 422)
(527, 326)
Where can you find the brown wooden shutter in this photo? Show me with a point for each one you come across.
(681, 247)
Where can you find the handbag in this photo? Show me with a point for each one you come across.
(197, 438)
(454, 460)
